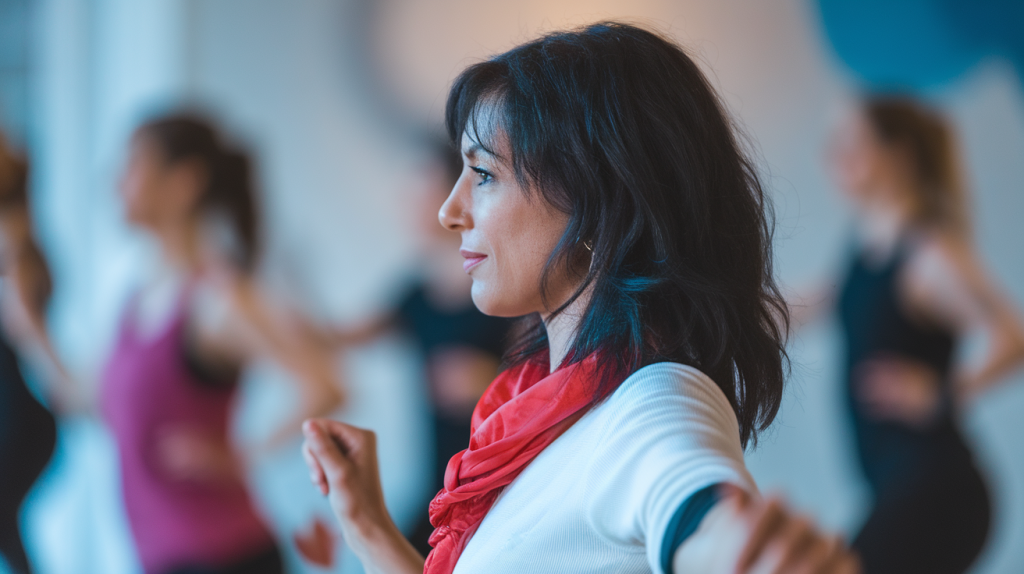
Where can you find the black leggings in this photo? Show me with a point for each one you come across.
(266, 562)
(935, 523)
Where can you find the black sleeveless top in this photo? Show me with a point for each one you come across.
(876, 324)
(28, 434)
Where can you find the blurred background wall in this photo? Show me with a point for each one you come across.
(329, 93)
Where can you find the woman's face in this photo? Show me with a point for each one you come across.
(860, 162)
(508, 234)
(156, 194)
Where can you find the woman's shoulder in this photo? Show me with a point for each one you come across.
(669, 379)
(671, 391)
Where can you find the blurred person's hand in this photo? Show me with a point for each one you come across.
(316, 544)
(898, 389)
(342, 460)
(187, 453)
(458, 377)
(747, 535)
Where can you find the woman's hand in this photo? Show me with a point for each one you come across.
(187, 453)
(753, 536)
(342, 460)
(316, 544)
(899, 389)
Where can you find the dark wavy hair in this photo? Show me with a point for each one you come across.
(618, 128)
(230, 190)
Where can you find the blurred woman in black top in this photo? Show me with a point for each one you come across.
(913, 291)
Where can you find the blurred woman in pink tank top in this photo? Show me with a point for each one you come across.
(169, 385)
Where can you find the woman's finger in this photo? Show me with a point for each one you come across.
(766, 519)
(815, 559)
(799, 539)
(837, 559)
(316, 474)
(784, 550)
(352, 441)
(325, 450)
(849, 565)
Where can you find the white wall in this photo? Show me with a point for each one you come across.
(321, 89)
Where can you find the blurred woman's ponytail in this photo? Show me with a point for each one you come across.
(928, 143)
(230, 196)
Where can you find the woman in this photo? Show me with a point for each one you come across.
(28, 432)
(914, 289)
(460, 346)
(184, 339)
(604, 197)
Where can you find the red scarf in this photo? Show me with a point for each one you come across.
(523, 411)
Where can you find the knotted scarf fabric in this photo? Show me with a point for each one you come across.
(523, 411)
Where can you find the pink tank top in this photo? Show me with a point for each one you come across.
(148, 388)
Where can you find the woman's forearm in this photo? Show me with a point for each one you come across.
(342, 461)
(387, 551)
(1006, 353)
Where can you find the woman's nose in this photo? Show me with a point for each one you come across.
(454, 214)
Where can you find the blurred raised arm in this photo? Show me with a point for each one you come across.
(947, 283)
(243, 324)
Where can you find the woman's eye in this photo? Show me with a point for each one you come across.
(485, 176)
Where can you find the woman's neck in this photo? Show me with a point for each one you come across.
(562, 328)
(181, 247)
(884, 223)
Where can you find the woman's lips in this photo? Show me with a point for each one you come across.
(472, 259)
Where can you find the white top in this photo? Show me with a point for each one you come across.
(600, 497)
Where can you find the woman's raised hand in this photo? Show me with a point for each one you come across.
(746, 535)
(342, 460)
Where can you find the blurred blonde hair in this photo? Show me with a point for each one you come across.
(929, 145)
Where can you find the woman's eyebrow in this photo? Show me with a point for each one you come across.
(476, 150)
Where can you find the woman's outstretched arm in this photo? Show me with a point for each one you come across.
(745, 534)
(342, 460)
(741, 534)
(27, 287)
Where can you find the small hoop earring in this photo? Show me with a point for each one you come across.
(588, 245)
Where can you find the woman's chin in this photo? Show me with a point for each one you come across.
(491, 303)
(481, 298)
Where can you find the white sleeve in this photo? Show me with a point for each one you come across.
(672, 434)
